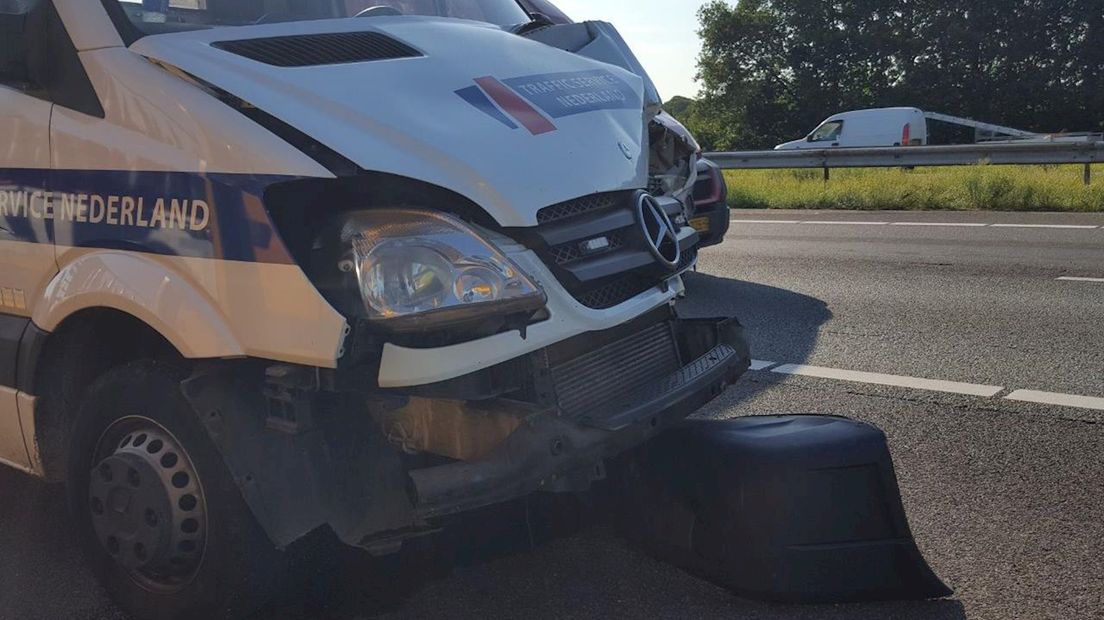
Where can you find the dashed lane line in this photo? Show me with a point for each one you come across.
(843, 223)
(1073, 279)
(1057, 226)
(942, 224)
(931, 385)
(1061, 400)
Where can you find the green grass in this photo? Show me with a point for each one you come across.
(964, 188)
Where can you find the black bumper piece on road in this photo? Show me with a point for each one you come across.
(801, 509)
(558, 445)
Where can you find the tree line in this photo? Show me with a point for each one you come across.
(771, 70)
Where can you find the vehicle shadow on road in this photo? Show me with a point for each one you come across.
(782, 325)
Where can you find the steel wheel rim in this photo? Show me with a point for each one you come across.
(147, 504)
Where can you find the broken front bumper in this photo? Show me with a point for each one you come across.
(606, 393)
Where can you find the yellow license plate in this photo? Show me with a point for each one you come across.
(700, 224)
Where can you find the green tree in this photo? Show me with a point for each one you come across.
(680, 108)
(775, 68)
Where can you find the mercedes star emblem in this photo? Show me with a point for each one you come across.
(658, 229)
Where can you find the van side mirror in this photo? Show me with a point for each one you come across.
(14, 58)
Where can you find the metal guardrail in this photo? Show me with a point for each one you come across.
(1010, 153)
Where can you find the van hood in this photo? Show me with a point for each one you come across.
(791, 146)
(512, 124)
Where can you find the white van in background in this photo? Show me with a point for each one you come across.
(887, 127)
(866, 128)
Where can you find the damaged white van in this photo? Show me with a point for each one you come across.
(270, 266)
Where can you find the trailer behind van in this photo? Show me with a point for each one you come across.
(888, 127)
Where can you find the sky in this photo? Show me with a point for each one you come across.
(662, 34)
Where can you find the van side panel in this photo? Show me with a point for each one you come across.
(174, 179)
(26, 404)
(13, 449)
(140, 286)
(28, 258)
(24, 159)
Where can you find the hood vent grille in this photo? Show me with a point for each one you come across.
(320, 49)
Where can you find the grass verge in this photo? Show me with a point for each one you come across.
(963, 188)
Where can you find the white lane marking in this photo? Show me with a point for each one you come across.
(844, 223)
(761, 364)
(764, 221)
(932, 385)
(946, 224)
(1053, 398)
(1059, 226)
(1072, 279)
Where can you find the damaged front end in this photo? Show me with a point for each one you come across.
(672, 168)
(381, 466)
(511, 330)
(673, 151)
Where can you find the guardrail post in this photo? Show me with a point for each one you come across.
(827, 175)
(1088, 174)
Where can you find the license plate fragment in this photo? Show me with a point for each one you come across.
(700, 224)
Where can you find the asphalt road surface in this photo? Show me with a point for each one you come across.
(976, 341)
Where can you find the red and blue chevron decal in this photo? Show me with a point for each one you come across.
(533, 101)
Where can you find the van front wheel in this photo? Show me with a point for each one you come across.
(160, 519)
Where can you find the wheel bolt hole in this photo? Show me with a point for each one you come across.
(169, 460)
(126, 441)
(180, 479)
(187, 503)
(140, 551)
(133, 478)
(151, 517)
(186, 546)
(155, 446)
(112, 544)
(189, 526)
(105, 473)
(139, 440)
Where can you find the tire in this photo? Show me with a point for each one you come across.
(169, 537)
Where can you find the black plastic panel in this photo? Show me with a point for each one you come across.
(11, 332)
(798, 509)
(320, 49)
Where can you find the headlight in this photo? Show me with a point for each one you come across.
(421, 268)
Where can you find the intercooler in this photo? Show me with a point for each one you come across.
(592, 383)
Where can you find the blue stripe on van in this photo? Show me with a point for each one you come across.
(220, 216)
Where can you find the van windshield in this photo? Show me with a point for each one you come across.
(827, 132)
(161, 16)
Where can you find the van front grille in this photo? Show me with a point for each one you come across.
(597, 249)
